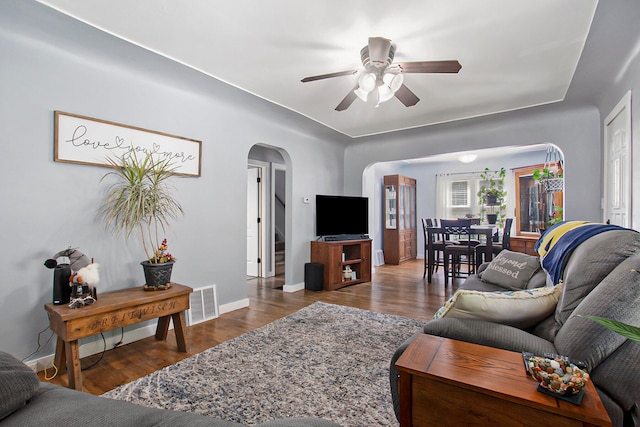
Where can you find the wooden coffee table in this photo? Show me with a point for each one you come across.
(445, 382)
(113, 310)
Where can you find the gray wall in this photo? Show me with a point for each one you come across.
(574, 131)
(50, 62)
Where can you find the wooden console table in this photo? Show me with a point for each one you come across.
(445, 382)
(115, 310)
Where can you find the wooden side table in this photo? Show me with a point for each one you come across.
(445, 382)
(115, 310)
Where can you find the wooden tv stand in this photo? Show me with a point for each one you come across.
(357, 255)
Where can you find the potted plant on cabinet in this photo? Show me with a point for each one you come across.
(492, 196)
(141, 200)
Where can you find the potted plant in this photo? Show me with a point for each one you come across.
(492, 196)
(141, 200)
(558, 216)
(551, 178)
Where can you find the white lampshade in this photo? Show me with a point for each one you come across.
(361, 94)
(384, 93)
(394, 81)
(367, 82)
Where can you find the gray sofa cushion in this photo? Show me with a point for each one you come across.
(591, 262)
(615, 360)
(18, 383)
(55, 405)
(489, 334)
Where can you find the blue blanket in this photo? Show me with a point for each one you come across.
(556, 250)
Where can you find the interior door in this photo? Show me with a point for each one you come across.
(617, 158)
(253, 221)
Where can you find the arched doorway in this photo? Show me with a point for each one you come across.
(266, 216)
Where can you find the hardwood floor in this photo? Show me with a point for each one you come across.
(398, 290)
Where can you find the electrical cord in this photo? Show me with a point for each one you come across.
(40, 345)
(55, 371)
(104, 350)
(119, 343)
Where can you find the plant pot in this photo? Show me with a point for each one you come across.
(492, 218)
(157, 276)
(492, 200)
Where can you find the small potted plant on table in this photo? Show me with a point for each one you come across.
(142, 200)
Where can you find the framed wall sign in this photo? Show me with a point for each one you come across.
(89, 141)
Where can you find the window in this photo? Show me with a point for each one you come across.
(460, 194)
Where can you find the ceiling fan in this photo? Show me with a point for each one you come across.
(380, 73)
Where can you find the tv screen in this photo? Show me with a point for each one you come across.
(341, 215)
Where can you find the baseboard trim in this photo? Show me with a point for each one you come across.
(235, 305)
(293, 288)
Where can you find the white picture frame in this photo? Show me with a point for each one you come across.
(89, 141)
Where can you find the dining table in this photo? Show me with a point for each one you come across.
(487, 230)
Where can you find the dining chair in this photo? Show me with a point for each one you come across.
(463, 248)
(437, 244)
(496, 248)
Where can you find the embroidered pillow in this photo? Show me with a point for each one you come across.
(516, 308)
(511, 270)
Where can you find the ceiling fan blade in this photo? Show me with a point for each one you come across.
(408, 98)
(430, 67)
(379, 51)
(348, 100)
(328, 76)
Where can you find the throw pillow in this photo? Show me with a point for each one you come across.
(17, 384)
(516, 308)
(511, 270)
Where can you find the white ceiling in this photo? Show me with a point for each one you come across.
(514, 54)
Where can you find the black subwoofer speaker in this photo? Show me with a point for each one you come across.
(313, 276)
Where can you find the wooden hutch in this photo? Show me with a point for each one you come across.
(400, 234)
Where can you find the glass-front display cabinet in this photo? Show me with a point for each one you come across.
(390, 207)
(400, 237)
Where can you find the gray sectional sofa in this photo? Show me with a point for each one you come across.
(599, 279)
(26, 402)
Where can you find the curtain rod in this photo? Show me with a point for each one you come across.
(465, 173)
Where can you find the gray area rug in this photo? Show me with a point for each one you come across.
(325, 360)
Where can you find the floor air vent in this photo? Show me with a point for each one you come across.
(204, 305)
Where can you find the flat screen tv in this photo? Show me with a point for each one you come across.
(339, 215)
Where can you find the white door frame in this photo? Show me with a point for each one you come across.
(266, 254)
(253, 213)
(623, 107)
(275, 167)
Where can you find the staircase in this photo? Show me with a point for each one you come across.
(279, 258)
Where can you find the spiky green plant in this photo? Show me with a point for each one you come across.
(140, 199)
